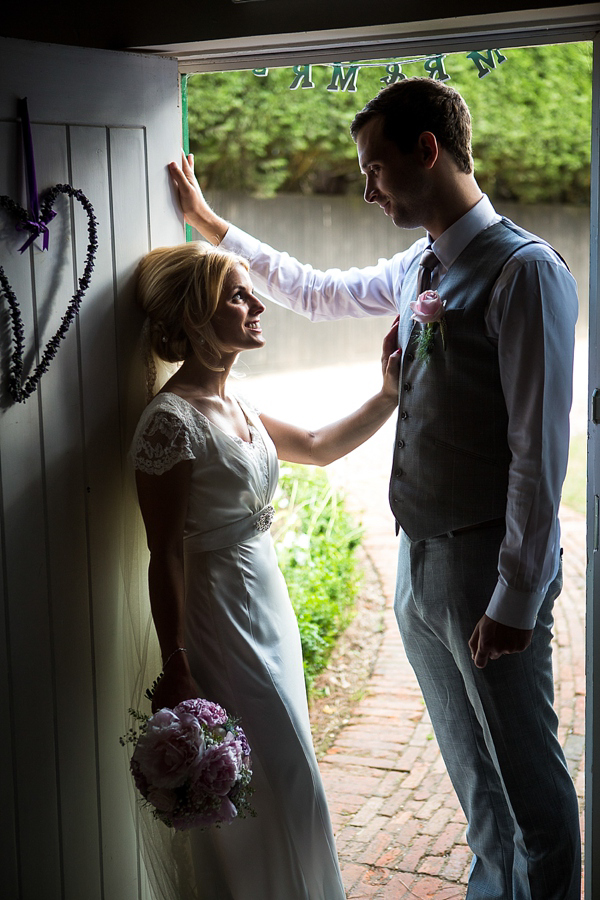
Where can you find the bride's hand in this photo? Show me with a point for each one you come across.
(173, 686)
(194, 207)
(390, 361)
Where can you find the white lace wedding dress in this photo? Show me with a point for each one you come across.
(244, 652)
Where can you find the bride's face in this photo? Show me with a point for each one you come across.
(237, 319)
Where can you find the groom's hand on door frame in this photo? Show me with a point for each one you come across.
(491, 640)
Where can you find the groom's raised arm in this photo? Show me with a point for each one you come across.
(318, 295)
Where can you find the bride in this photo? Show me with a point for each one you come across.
(206, 472)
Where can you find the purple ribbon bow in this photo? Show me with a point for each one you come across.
(38, 223)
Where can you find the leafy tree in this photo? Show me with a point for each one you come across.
(254, 134)
(532, 123)
(531, 117)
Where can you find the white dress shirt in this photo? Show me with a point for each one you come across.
(531, 319)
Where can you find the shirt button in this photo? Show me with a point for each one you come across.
(404, 415)
(406, 386)
(400, 445)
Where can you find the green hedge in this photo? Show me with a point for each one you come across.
(316, 541)
(531, 126)
(574, 488)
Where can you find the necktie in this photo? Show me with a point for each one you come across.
(427, 264)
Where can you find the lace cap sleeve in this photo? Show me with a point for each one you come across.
(163, 439)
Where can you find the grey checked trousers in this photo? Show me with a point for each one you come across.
(496, 727)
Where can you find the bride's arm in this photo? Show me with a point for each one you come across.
(163, 502)
(332, 441)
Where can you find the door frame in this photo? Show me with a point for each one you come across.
(592, 715)
(567, 24)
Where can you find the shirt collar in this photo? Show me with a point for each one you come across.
(453, 241)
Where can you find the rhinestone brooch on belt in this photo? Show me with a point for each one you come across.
(265, 520)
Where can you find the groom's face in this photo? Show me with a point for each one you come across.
(394, 180)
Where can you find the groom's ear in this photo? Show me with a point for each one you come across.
(428, 149)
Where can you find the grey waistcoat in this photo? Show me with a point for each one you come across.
(451, 455)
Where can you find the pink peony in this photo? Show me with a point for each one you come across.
(169, 748)
(206, 711)
(241, 737)
(428, 308)
(217, 771)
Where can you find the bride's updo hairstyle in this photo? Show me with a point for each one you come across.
(179, 289)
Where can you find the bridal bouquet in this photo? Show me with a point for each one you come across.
(191, 764)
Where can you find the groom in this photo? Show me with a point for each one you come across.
(479, 460)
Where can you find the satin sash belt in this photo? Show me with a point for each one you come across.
(234, 533)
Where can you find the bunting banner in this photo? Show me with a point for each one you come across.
(344, 75)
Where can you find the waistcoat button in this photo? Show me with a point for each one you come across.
(406, 386)
(400, 445)
(404, 415)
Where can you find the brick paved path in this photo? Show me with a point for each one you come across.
(399, 829)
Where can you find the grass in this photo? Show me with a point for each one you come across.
(574, 488)
(316, 542)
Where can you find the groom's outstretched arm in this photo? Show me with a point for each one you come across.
(318, 295)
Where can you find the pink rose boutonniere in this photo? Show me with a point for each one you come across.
(428, 309)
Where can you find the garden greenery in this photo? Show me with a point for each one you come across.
(316, 541)
(531, 127)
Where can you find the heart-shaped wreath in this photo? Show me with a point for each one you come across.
(18, 389)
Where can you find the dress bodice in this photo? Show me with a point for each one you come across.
(231, 479)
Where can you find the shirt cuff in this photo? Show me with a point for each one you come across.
(515, 608)
(238, 241)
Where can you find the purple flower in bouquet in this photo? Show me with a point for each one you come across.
(169, 748)
(205, 711)
(241, 737)
(219, 768)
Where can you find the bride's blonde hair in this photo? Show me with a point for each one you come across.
(179, 290)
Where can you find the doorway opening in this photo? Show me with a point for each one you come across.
(277, 160)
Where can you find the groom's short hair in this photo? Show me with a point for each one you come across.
(415, 105)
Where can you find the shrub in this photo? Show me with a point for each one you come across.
(316, 541)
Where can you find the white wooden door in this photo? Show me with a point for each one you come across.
(74, 618)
